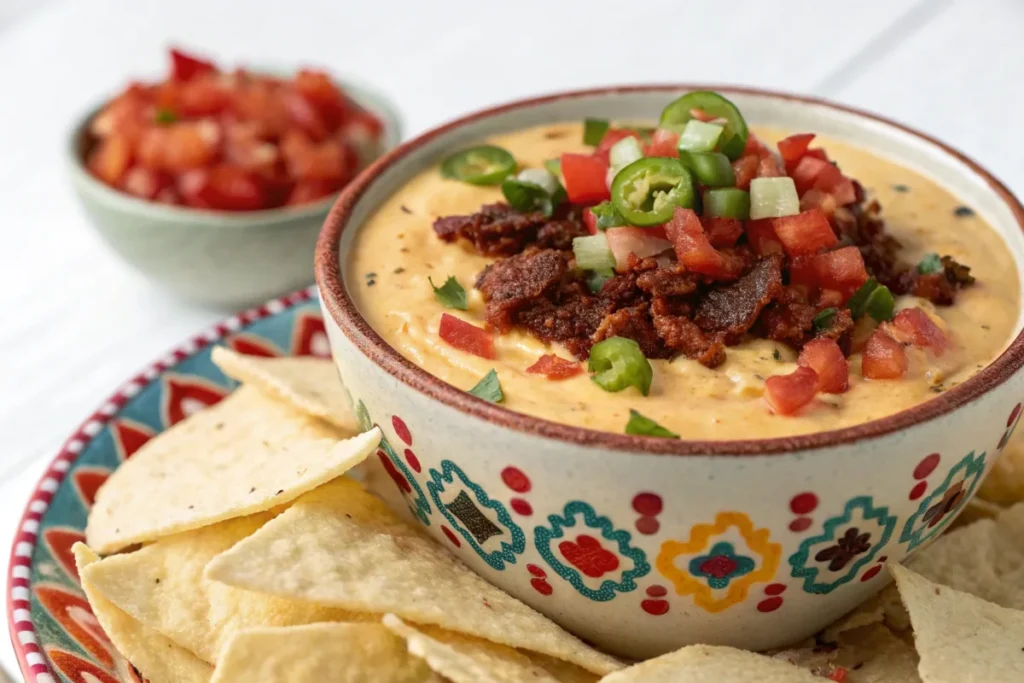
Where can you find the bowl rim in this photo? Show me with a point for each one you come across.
(364, 94)
(346, 316)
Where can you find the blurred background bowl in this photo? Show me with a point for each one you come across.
(222, 259)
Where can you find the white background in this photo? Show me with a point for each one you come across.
(74, 322)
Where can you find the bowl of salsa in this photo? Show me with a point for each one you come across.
(680, 364)
(211, 181)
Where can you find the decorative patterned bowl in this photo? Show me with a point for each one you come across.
(639, 544)
(212, 257)
(54, 633)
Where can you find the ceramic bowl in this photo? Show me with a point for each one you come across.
(641, 545)
(216, 258)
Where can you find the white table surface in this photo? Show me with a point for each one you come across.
(75, 322)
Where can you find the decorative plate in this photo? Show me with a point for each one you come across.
(54, 633)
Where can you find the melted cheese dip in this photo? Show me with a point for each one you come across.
(399, 248)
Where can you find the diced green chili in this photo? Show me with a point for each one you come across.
(727, 202)
(592, 252)
(699, 136)
(607, 216)
(880, 304)
(823, 320)
(859, 299)
(711, 169)
(639, 424)
(593, 131)
(619, 363)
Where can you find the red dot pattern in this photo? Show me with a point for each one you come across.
(451, 536)
(542, 586)
(413, 461)
(775, 589)
(871, 573)
(801, 524)
(803, 503)
(515, 479)
(918, 490)
(647, 504)
(657, 591)
(927, 466)
(401, 429)
(521, 506)
(655, 607)
(536, 571)
(648, 525)
(769, 604)
(1013, 415)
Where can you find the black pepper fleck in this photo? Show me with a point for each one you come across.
(404, 250)
(370, 275)
(279, 492)
(371, 283)
(405, 209)
(252, 490)
(554, 134)
(156, 580)
(399, 270)
(776, 354)
(963, 212)
(900, 187)
(985, 327)
(759, 377)
(191, 507)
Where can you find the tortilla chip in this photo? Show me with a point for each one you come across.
(465, 659)
(985, 559)
(341, 546)
(320, 653)
(310, 385)
(157, 657)
(244, 455)
(961, 638)
(162, 586)
(1005, 483)
(869, 654)
(564, 672)
(885, 607)
(975, 511)
(712, 664)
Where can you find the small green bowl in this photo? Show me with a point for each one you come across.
(215, 258)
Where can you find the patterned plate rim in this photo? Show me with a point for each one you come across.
(31, 659)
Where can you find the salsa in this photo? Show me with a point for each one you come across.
(231, 140)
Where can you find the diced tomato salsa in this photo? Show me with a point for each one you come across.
(231, 141)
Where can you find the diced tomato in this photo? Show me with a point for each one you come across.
(817, 153)
(179, 146)
(202, 96)
(590, 220)
(185, 66)
(694, 250)
(768, 167)
(642, 242)
(584, 176)
(794, 147)
(308, 160)
(145, 183)
(245, 147)
(745, 169)
(805, 233)
(111, 158)
(723, 232)
(920, 330)
(838, 675)
(664, 143)
(842, 269)
(318, 88)
(807, 171)
(702, 115)
(816, 199)
(261, 103)
(830, 297)
(466, 337)
(845, 192)
(226, 188)
(311, 190)
(787, 394)
(762, 237)
(755, 147)
(305, 115)
(554, 367)
(826, 359)
(611, 136)
(883, 357)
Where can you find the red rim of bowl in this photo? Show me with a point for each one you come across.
(354, 326)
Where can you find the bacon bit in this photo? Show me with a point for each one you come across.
(884, 357)
(465, 337)
(918, 329)
(555, 368)
(787, 394)
(826, 358)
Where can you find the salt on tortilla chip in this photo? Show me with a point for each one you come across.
(162, 586)
(465, 659)
(341, 546)
(310, 385)
(1005, 483)
(712, 664)
(320, 653)
(985, 559)
(244, 455)
(868, 654)
(158, 658)
(961, 638)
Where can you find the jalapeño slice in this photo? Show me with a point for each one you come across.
(733, 138)
(483, 165)
(647, 191)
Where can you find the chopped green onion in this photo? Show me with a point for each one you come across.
(489, 389)
(648, 191)
(597, 278)
(619, 363)
(607, 216)
(733, 139)
(727, 202)
(541, 177)
(699, 136)
(554, 167)
(710, 168)
(593, 131)
(450, 294)
(880, 304)
(859, 299)
(482, 165)
(623, 153)
(823, 320)
(164, 116)
(645, 426)
(773, 197)
(930, 265)
(592, 253)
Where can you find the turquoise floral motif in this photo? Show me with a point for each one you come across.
(721, 565)
(465, 515)
(587, 554)
(940, 508)
(419, 507)
(862, 537)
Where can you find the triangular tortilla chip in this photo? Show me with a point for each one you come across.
(885, 607)
(1005, 483)
(869, 654)
(341, 546)
(310, 385)
(712, 664)
(961, 638)
(162, 586)
(158, 658)
(465, 659)
(320, 653)
(985, 559)
(244, 455)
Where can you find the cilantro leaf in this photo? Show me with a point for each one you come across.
(450, 294)
(645, 426)
(489, 389)
(930, 265)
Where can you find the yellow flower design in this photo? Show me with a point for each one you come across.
(758, 542)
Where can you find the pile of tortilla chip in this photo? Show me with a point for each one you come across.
(241, 545)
